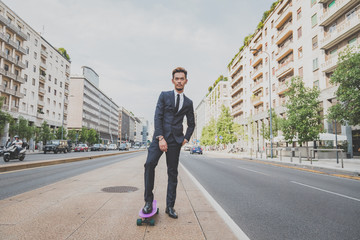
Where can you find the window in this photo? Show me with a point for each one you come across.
(265, 31)
(24, 91)
(35, 55)
(316, 84)
(272, 55)
(49, 89)
(314, 42)
(299, 13)
(272, 24)
(6, 67)
(300, 53)
(332, 3)
(60, 84)
(54, 103)
(27, 63)
(34, 68)
(49, 77)
(352, 42)
(25, 77)
(273, 87)
(332, 28)
(36, 42)
(301, 72)
(267, 91)
(55, 92)
(27, 50)
(273, 71)
(266, 46)
(314, 20)
(272, 40)
(33, 81)
(315, 64)
(299, 32)
(55, 81)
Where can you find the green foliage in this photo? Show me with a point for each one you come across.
(64, 53)
(60, 133)
(92, 136)
(208, 133)
(83, 135)
(4, 117)
(224, 126)
(239, 131)
(347, 77)
(221, 78)
(21, 128)
(72, 135)
(265, 130)
(45, 133)
(303, 119)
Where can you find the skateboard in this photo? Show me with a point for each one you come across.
(145, 218)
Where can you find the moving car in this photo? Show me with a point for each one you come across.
(187, 148)
(97, 147)
(123, 147)
(81, 148)
(56, 146)
(196, 149)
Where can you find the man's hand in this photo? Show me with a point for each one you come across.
(163, 145)
(184, 142)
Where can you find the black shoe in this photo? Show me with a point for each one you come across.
(171, 212)
(147, 208)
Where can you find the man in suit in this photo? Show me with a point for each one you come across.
(168, 137)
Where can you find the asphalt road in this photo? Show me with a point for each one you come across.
(14, 183)
(271, 202)
(31, 157)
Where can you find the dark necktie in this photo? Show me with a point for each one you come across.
(177, 103)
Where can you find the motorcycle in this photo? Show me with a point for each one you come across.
(10, 152)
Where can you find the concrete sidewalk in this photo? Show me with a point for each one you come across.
(77, 208)
(351, 166)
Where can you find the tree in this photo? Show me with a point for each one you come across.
(72, 135)
(224, 126)
(61, 133)
(265, 129)
(64, 53)
(83, 135)
(45, 133)
(92, 136)
(4, 117)
(22, 129)
(347, 76)
(302, 114)
(208, 133)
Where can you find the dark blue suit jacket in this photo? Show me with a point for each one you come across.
(167, 121)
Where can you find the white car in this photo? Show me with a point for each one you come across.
(112, 147)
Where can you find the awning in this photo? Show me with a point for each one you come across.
(331, 137)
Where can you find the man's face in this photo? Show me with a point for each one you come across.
(179, 81)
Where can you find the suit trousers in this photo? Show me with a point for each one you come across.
(172, 162)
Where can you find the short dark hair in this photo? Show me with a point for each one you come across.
(179, 69)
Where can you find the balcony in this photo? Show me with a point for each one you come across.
(284, 15)
(43, 65)
(284, 50)
(257, 85)
(40, 115)
(259, 109)
(285, 68)
(283, 86)
(257, 59)
(13, 27)
(41, 102)
(330, 63)
(42, 78)
(20, 79)
(237, 87)
(66, 101)
(256, 100)
(237, 99)
(42, 91)
(343, 30)
(5, 107)
(338, 9)
(44, 53)
(236, 77)
(257, 72)
(237, 110)
(66, 91)
(15, 109)
(236, 70)
(67, 71)
(284, 33)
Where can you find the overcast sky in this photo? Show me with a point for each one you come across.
(134, 44)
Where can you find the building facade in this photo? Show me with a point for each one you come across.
(89, 107)
(299, 38)
(34, 76)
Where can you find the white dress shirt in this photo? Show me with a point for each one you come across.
(181, 99)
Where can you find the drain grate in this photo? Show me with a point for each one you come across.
(120, 189)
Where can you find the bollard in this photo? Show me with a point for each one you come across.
(311, 159)
(291, 156)
(261, 154)
(299, 156)
(280, 155)
(256, 154)
(342, 160)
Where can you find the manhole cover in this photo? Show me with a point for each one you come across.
(120, 189)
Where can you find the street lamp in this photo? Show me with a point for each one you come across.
(271, 133)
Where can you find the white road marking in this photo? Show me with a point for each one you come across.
(220, 162)
(253, 171)
(337, 194)
(228, 220)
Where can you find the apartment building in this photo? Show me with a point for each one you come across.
(89, 107)
(218, 97)
(299, 38)
(200, 119)
(124, 125)
(34, 76)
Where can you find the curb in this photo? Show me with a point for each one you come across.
(57, 161)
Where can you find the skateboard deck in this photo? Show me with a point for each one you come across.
(145, 218)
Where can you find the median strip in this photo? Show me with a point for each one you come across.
(27, 165)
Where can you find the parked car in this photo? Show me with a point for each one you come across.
(196, 149)
(112, 147)
(56, 146)
(187, 148)
(97, 147)
(81, 148)
(123, 147)
(70, 146)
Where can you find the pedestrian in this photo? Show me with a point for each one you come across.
(168, 137)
